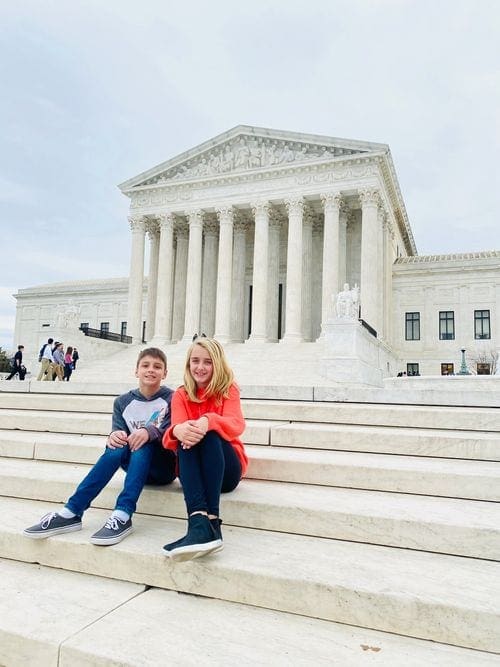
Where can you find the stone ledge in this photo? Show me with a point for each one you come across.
(425, 523)
(133, 632)
(443, 598)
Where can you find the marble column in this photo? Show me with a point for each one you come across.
(136, 280)
(293, 312)
(193, 281)
(163, 319)
(238, 295)
(307, 284)
(317, 275)
(209, 277)
(370, 260)
(179, 306)
(275, 223)
(224, 276)
(260, 271)
(344, 213)
(332, 202)
(154, 251)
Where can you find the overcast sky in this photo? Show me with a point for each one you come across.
(95, 92)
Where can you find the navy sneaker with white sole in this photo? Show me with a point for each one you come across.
(113, 531)
(53, 524)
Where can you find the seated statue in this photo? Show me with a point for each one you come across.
(347, 303)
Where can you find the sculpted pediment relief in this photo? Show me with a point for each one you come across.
(246, 153)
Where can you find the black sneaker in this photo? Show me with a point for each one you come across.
(199, 541)
(113, 531)
(53, 524)
(216, 525)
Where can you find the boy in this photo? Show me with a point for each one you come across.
(140, 417)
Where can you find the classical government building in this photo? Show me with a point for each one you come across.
(251, 236)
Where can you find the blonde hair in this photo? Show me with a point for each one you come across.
(222, 377)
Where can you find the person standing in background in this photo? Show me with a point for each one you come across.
(45, 358)
(17, 364)
(68, 363)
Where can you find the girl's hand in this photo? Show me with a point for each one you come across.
(189, 433)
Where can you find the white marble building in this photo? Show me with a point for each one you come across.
(252, 234)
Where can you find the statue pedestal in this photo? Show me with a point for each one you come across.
(352, 354)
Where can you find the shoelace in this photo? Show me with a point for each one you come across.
(46, 519)
(112, 523)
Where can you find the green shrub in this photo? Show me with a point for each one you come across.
(4, 361)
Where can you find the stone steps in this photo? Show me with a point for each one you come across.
(459, 527)
(480, 445)
(373, 515)
(454, 478)
(443, 598)
(77, 620)
(454, 418)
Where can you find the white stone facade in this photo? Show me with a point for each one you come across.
(252, 234)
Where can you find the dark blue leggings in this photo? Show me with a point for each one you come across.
(207, 469)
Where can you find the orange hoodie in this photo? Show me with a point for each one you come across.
(225, 418)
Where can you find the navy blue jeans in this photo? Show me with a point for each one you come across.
(206, 470)
(151, 464)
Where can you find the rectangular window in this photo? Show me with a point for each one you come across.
(483, 369)
(104, 327)
(412, 326)
(447, 369)
(446, 325)
(84, 326)
(482, 324)
(412, 369)
(123, 329)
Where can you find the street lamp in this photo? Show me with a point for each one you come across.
(463, 366)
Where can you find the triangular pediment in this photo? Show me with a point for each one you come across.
(246, 148)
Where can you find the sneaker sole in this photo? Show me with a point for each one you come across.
(54, 531)
(108, 541)
(193, 551)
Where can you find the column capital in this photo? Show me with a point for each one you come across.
(210, 228)
(261, 208)
(369, 197)
(309, 216)
(152, 228)
(166, 220)
(137, 225)
(195, 217)
(225, 214)
(275, 218)
(181, 229)
(240, 226)
(294, 205)
(332, 201)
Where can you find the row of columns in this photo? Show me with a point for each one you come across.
(182, 300)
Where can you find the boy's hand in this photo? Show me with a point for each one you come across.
(189, 433)
(117, 439)
(138, 438)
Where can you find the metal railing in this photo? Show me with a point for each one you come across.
(106, 335)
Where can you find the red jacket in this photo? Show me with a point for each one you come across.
(225, 418)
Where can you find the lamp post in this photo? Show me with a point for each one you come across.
(463, 366)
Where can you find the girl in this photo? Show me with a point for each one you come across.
(205, 428)
(68, 363)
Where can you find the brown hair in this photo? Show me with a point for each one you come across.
(154, 352)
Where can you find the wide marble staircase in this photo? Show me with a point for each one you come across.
(364, 534)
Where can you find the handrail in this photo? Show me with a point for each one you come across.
(106, 335)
